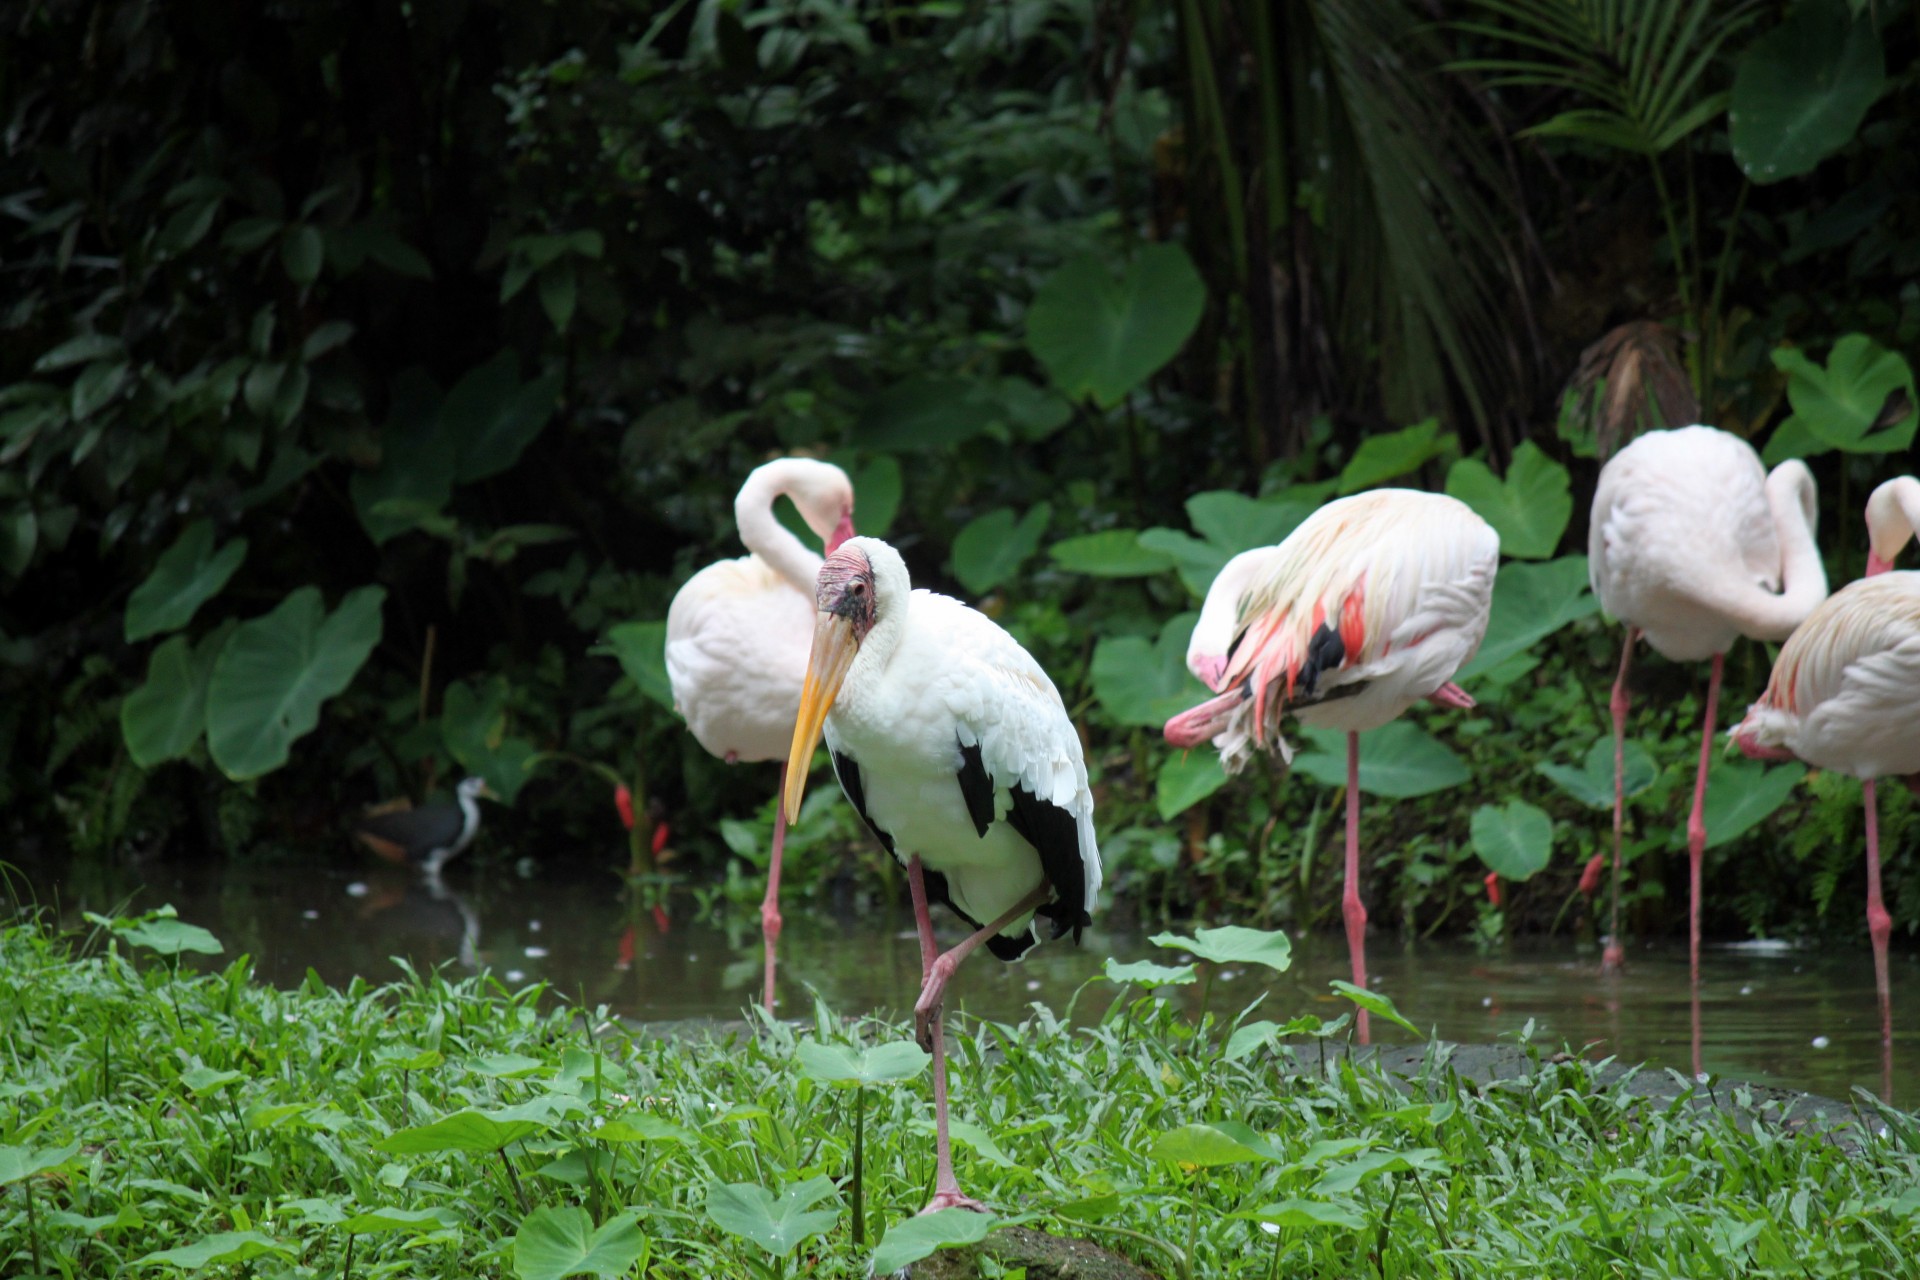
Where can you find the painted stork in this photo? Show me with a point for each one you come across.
(1845, 692)
(1693, 544)
(737, 635)
(429, 836)
(1368, 607)
(956, 750)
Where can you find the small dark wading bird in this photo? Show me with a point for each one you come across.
(1369, 606)
(956, 750)
(429, 836)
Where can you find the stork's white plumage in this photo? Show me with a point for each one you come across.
(1845, 692)
(1369, 606)
(956, 750)
(738, 631)
(1693, 544)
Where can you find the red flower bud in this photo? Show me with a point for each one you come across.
(1493, 887)
(660, 833)
(1590, 878)
(623, 801)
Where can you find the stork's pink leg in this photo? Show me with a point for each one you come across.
(946, 1188)
(1697, 824)
(939, 973)
(770, 905)
(1350, 904)
(1879, 923)
(1613, 954)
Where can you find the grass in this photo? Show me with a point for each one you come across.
(157, 1121)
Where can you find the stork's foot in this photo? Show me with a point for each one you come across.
(954, 1199)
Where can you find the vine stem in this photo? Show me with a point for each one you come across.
(519, 1192)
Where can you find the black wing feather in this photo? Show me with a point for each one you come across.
(1055, 835)
(976, 788)
(847, 769)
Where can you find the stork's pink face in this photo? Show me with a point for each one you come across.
(846, 605)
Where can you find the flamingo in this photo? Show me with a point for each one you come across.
(1845, 692)
(737, 635)
(1693, 544)
(956, 750)
(1369, 606)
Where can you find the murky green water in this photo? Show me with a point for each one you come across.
(1800, 1019)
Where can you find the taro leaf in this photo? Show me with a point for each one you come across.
(188, 574)
(641, 648)
(1530, 602)
(1373, 1002)
(1304, 1214)
(642, 1126)
(418, 461)
(1235, 523)
(1145, 684)
(1250, 1039)
(1345, 1177)
(1031, 412)
(474, 729)
(372, 1222)
(275, 672)
(925, 412)
(1198, 563)
(1399, 761)
(205, 1079)
(1529, 509)
(1148, 974)
(1102, 337)
(165, 716)
(554, 1243)
(876, 494)
(227, 1247)
(845, 1064)
(1801, 90)
(1513, 839)
(1185, 779)
(470, 1130)
(1202, 1146)
(1592, 783)
(302, 253)
(1740, 793)
(1394, 453)
(1839, 404)
(912, 1239)
(491, 416)
(1111, 553)
(20, 1163)
(776, 1224)
(507, 1065)
(163, 934)
(1234, 944)
(991, 547)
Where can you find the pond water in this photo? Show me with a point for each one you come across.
(1803, 1019)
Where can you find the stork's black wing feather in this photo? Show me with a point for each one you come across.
(976, 787)
(847, 769)
(1055, 835)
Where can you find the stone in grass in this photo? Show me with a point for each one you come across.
(1046, 1257)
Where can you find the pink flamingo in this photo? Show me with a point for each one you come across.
(1369, 606)
(738, 633)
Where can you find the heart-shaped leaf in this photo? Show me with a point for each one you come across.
(1529, 509)
(642, 1126)
(473, 727)
(372, 1222)
(1514, 839)
(1185, 779)
(1102, 337)
(20, 1163)
(1345, 1177)
(1202, 1146)
(491, 416)
(188, 574)
(163, 934)
(1235, 523)
(925, 412)
(1373, 1002)
(418, 461)
(1394, 453)
(225, 1248)
(1145, 973)
(1740, 794)
(912, 1239)
(1399, 761)
(1111, 553)
(1592, 783)
(1141, 683)
(775, 1223)
(555, 1243)
(641, 649)
(1234, 944)
(1198, 563)
(470, 1130)
(992, 546)
(1531, 602)
(1801, 90)
(1838, 405)
(165, 716)
(270, 680)
(1304, 1214)
(845, 1064)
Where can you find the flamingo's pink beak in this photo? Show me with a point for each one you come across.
(1199, 725)
(1212, 671)
(841, 531)
(1875, 565)
(1752, 750)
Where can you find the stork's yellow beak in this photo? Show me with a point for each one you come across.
(834, 647)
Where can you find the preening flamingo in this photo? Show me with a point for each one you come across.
(956, 750)
(738, 631)
(1369, 606)
(1845, 692)
(1693, 544)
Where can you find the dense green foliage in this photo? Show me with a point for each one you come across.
(206, 1124)
(368, 386)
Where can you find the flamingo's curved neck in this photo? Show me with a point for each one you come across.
(766, 537)
(1893, 519)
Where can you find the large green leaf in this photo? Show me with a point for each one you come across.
(846, 1064)
(1297, 1214)
(1233, 944)
(1111, 553)
(1592, 783)
(188, 574)
(1148, 974)
(1531, 602)
(1198, 563)
(165, 716)
(1394, 453)
(470, 1130)
(1345, 1177)
(20, 1163)
(1102, 337)
(1801, 90)
(1529, 509)
(275, 672)
(1514, 839)
(641, 649)
(1740, 793)
(1146, 684)
(1235, 523)
(1838, 405)
(1185, 779)
(473, 727)
(1399, 761)
(775, 1223)
(491, 416)
(876, 494)
(555, 1243)
(1202, 1146)
(163, 933)
(988, 550)
(924, 412)
(418, 462)
(912, 1239)
(225, 1248)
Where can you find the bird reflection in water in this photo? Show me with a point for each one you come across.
(418, 916)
